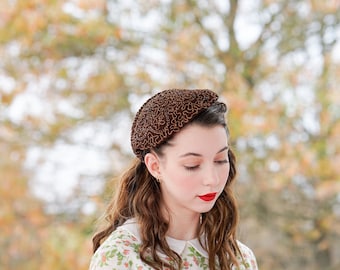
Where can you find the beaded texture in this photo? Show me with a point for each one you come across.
(165, 114)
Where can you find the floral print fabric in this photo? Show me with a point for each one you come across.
(121, 252)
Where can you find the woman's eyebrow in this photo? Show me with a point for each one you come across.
(191, 154)
(223, 149)
(199, 155)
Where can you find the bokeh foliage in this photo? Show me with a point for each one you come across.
(82, 64)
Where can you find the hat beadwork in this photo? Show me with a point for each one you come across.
(164, 114)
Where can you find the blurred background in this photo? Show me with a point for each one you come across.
(74, 72)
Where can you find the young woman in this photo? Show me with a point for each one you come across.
(174, 208)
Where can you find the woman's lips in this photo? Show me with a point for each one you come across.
(208, 197)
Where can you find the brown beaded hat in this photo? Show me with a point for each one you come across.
(166, 113)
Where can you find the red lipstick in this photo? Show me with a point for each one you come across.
(208, 197)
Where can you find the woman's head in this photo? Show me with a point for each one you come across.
(193, 164)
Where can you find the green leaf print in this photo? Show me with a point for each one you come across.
(197, 257)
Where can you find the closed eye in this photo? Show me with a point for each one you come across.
(191, 168)
(222, 161)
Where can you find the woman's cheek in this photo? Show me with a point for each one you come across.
(189, 183)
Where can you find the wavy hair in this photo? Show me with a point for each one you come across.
(139, 194)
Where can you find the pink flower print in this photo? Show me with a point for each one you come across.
(126, 243)
(195, 260)
(126, 252)
(103, 258)
(253, 263)
(186, 265)
(134, 238)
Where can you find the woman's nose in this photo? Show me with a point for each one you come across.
(210, 177)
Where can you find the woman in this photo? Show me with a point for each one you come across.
(174, 208)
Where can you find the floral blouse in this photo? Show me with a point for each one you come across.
(120, 251)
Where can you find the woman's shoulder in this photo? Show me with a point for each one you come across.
(119, 251)
(125, 236)
(247, 258)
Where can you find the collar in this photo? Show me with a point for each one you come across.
(180, 245)
(176, 245)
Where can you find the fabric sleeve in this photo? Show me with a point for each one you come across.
(118, 252)
(248, 260)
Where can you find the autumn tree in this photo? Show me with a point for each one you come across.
(74, 72)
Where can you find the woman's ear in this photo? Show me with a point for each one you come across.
(152, 163)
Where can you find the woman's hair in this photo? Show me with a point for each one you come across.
(139, 194)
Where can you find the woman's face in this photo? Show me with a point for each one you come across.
(194, 169)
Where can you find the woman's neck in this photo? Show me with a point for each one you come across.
(184, 227)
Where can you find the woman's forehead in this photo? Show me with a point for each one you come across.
(199, 138)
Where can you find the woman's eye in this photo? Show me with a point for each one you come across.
(191, 168)
(224, 161)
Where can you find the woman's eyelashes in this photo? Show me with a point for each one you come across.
(224, 161)
(195, 167)
(191, 168)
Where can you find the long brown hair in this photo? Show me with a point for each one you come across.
(139, 194)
